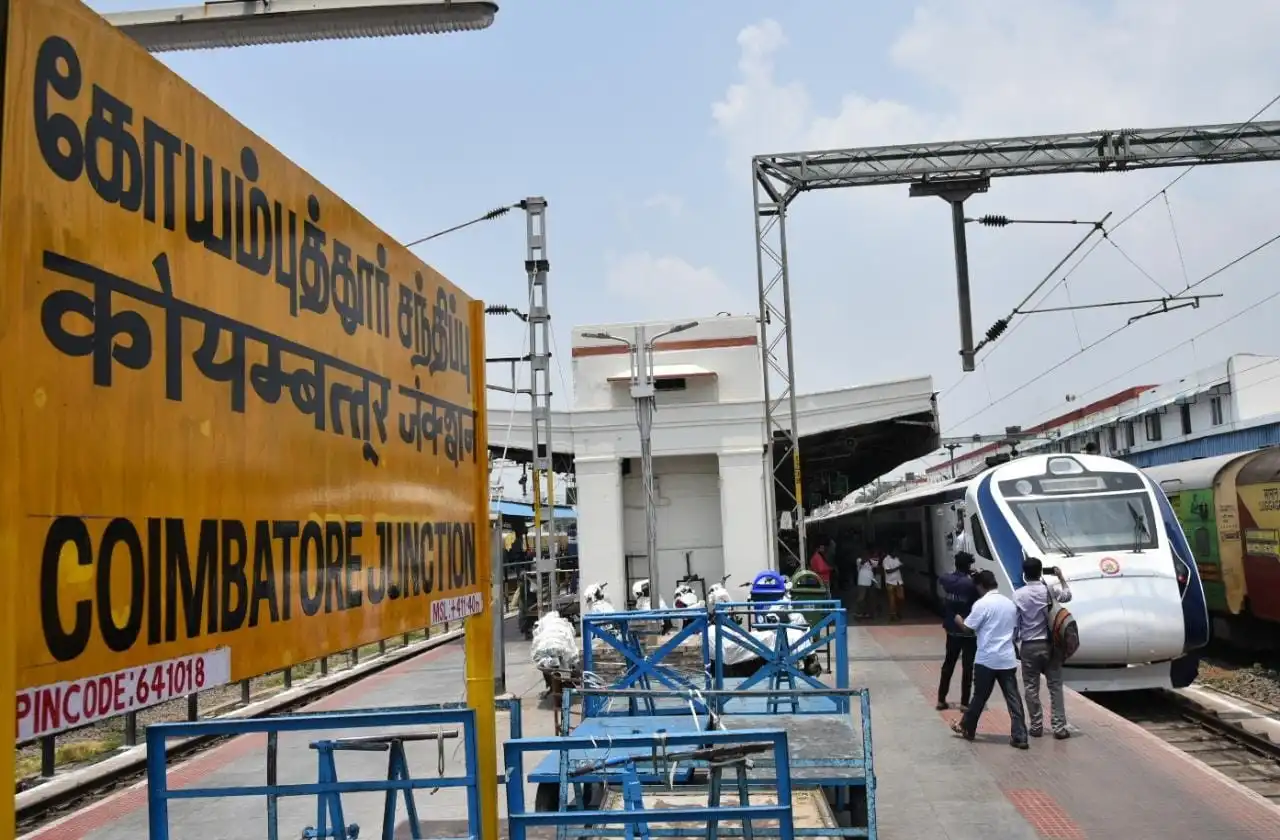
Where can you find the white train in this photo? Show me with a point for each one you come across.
(1138, 600)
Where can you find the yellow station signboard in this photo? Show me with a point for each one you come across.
(242, 428)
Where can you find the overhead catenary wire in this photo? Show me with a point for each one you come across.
(999, 327)
(1054, 368)
(495, 213)
(1162, 192)
(1173, 347)
(1190, 390)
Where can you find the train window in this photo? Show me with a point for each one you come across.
(979, 537)
(1109, 522)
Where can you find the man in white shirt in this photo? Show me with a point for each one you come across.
(963, 540)
(994, 619)
(868, 568)
(893, 584)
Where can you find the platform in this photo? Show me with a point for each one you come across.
(1111, 780)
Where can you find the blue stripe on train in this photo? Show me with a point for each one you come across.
(1195, 608)
(1004, 543)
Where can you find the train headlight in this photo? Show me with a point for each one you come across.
(1065, 466)
(1024, 487)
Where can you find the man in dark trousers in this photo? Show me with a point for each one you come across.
(960, 595)
(995, 619)
(1035, 604)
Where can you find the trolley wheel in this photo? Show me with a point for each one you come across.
(547, 797)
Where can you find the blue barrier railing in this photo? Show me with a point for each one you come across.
(328, 789)
(646, 667)
(710, 751)
(783, 657)
(850, 777)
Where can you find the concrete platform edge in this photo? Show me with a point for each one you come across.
(133, 759)
(1178, 755)
(1230, 710)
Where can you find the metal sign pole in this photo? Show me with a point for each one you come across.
(642, 392)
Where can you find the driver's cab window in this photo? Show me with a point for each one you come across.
(979, 537)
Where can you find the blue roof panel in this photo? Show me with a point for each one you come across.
(521, 510)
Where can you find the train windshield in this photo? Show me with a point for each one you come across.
(1080, 524)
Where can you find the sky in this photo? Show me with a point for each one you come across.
(638, 121)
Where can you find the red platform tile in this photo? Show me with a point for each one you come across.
(1045, 814)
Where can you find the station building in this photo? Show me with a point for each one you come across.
(712, 472)
(1232, 406)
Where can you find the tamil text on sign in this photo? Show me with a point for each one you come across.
(247, 417)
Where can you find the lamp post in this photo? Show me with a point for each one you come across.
(643, 394)
(245, 23)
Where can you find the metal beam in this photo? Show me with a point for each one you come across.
(244, 23)
(1099, 151)
(780, 424)
(778, 178)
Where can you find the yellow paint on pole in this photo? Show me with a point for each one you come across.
(479, 628)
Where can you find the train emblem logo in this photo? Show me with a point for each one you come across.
(1109, 566)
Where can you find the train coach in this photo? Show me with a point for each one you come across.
(1138, 599)
(1229, 507)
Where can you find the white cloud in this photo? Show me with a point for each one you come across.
(871, 269)
(667, 286)
(672, 204)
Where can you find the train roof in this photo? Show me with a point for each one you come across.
(923, 492)
(1197, 474)
(1262, 468)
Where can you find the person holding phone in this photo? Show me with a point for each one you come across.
(1034, 600)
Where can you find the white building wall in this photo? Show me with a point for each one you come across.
(1255, 386)
(599, 365)
(708, 448)
(600, 518)
(687, 491)
(744, 508)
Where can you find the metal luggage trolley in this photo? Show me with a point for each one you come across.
(451, 721)
(647, 664)
(700, 811)
(782, 658)
(629, 726)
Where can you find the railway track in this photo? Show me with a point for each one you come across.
(1251, 760)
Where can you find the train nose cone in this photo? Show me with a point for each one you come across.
(1127, 618)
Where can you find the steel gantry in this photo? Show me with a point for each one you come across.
(536, 266)
(952, 171)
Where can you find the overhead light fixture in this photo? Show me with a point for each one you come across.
(246, 23)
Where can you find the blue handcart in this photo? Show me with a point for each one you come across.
(620, 754)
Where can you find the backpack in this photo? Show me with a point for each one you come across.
(1064, 635)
